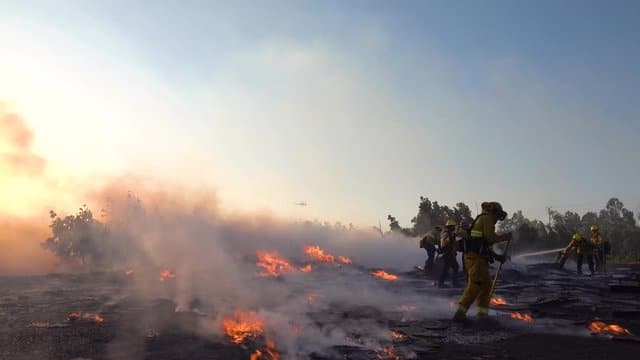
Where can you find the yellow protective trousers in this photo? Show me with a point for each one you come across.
(478, 284)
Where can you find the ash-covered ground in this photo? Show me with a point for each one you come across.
(333, 310)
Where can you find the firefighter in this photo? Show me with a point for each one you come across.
(428, 243)
(599, 246)
(449, 250)
(583, 248)
(477, 256)
(563, 256)
(461, 235)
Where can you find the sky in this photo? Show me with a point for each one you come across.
(356, 107)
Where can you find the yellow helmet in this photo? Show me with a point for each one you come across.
(594, 227)
(450, 223)
(577, 237)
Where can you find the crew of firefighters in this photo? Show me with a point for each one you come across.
(476, 243)
(595, 249)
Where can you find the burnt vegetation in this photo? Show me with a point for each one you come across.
(617, 225)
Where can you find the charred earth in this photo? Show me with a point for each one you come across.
(541, 312)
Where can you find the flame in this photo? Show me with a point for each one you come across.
(523, 317)
(39, 324)
(272, 264)
(269, 353)
(317, 253)
(128, 272)
(498, 301)
(306, 269)
(387, 353)
(79, 315)
(384, 275)
(167, 274)
(397, 336)
(613, 329)
(242, 326)
(345, 260)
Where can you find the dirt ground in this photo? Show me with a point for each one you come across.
(34, 324)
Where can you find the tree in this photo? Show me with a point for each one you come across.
(431, 214)
(76, 238)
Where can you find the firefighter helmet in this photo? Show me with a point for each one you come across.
(494, 208)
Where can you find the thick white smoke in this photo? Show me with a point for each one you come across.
(214, 258)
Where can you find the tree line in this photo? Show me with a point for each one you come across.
(82, 239)
(617, 225)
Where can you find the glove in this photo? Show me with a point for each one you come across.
(500, 258)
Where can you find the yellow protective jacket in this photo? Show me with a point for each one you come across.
(430, 238)
(448, 244)
(485, 226)
(483, 236)
(597, 241)
(582, 246)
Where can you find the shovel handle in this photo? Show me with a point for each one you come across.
(495, 279)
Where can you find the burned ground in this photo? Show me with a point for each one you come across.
(36, 322)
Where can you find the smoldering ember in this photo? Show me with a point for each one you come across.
(267, 293)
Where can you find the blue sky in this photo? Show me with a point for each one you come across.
(357, 107)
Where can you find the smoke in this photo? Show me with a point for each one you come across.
(149, 225)
(21, 253)
(16, 152)
(213, 254)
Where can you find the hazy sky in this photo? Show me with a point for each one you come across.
(357, 107)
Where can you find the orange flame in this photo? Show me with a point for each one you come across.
(387, 353)
(166, 274)
(317, 253)
(242, 326)
(398, 336)
(79, 315)
(498, 301)
(39, 324)
(272, 264)
(613, 329)
(344, 259)
(523, 317)
(306, 269)
(384, 275)
(269, 353)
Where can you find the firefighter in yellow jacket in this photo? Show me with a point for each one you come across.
(476, 258)
(598, 246)
(449, 251)
(428, 243)
(583, 248)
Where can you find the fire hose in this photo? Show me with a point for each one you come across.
(499, 271)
